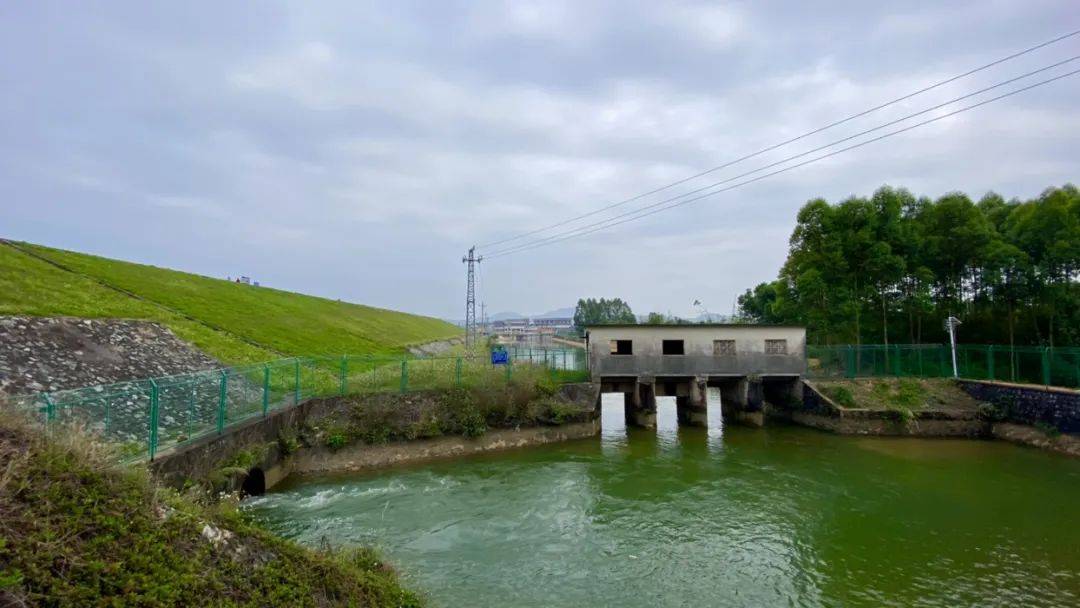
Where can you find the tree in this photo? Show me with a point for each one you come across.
(601, 312)
(1011, 269)
(656, 318)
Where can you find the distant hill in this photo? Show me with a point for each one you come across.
(503, 316)
(558, 313)
(232, 322)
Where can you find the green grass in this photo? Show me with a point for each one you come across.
(899, 394)
(77, 530)
(232, 322)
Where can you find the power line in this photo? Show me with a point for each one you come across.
(796, 156)
(786, 142)
(797, 165)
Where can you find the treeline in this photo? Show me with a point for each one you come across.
(592, 311)
(891, 268)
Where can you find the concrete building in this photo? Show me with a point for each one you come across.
(751, 364)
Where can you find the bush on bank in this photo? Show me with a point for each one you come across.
(78, 530)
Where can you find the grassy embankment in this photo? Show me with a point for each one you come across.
(902, 396)
(484, 400)
(77, 530)
(232, 322)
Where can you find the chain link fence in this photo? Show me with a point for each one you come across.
(147, 416)
(1022, 364)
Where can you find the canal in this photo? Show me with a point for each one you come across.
(713, 517)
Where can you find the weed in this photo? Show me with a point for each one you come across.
(841, 395)
(900, 414)
(288, 442)
(992, 412)
(1048, 429)
(336, 440)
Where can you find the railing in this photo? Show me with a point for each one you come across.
(147, 416)
(1058, 366)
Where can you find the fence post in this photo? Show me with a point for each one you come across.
(266, 389)
(509, 364)
(850, 361)
(404, 375)
(153, 418)
(191, 411)
(296, 388)
(918, 353)
(50, 409)
(344, 373)
(990, 361)
(1046, 366)
(896, 360)
(223, 392)
(457, 372)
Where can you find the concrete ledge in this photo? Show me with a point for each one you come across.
(360, 457)
(879, 423)
(1028, 435)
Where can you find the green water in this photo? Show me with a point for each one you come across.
(719, 517)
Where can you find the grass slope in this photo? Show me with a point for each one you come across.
(235, 323)
(892, 393)
(76, 530)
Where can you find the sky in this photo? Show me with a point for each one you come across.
(356, 150)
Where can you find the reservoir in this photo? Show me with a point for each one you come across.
(723, 516)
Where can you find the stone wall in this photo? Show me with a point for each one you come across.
(51, 354)
(1027, 404)
(433, 349)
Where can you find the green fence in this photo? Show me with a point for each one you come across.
(1023, 364)
(147, 416)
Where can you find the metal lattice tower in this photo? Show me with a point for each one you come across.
(470, 298)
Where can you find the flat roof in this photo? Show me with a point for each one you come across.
(692, 325)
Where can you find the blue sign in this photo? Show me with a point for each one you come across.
(500, 357)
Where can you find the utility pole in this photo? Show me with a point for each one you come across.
(951, 324)
(483, 319)
(470, 299)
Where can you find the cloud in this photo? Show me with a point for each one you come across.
(376, 142)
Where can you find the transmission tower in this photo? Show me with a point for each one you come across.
(470, 298)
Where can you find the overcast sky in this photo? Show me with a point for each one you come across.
(354, 150)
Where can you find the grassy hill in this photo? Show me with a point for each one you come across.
(232, 322)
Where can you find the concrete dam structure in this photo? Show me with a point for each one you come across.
(750, 364)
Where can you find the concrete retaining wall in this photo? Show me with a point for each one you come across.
(199, 459)
(359, 457)
(820, 412)
(1027, 404)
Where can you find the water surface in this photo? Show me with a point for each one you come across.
(714, 517)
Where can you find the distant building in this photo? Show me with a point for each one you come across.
(525, 327)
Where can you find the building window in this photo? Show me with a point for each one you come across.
(622, 347)
(723, 348)
(775, 347)
(673, 347)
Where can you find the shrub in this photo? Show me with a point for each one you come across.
(899, 414)
(841, 395)
(335, 440)
(992, 412)
(460, 414)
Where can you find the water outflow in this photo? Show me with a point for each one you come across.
(723, 516)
